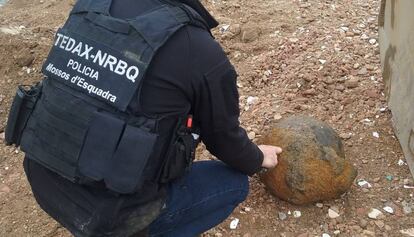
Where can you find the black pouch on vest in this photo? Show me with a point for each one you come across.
(116, 153)
(22, 106)
(179, 157)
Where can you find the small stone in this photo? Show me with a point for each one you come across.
(25, 60)
(332, 214)
(352, 83)
(406, 208)
(293, 40)
(376, 134)
(282, 216)
(374, 214)
(2, 136)
(362, 71)
(247, 209)
(364, 184)
(388, 228)
(372, 41)
(380, 224)
(368, 233)
(277, 116)
(234, 223)
(250, 34)
(408, 232)
(401, 162)
(320, 205)
(325, 235)
(251, 100)
(345, 136)
(376, 180)
(251, 135)
(4, 188)
(310, 92)
(363, 223)
(297, 214)
(372, 94)
(218, 234)
(389, 210)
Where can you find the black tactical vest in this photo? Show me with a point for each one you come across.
(81, 126)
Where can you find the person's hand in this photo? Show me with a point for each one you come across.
(270, 155)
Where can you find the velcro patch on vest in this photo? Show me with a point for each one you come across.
(94, 69)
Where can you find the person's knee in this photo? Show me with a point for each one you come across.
(237, 180)
(244, 190)
(228, 178)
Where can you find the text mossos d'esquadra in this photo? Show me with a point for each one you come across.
(97, 57)
(80, 82)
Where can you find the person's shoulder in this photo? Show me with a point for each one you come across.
(206, 52)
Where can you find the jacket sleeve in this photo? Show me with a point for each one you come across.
(217, 114)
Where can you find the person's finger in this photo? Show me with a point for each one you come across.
(278, 150)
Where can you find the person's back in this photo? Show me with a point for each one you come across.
(189, 75)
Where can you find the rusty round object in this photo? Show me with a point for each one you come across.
(312, 167)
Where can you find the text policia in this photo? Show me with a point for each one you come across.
(81, 83)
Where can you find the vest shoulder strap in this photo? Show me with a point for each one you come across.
(101, 6)
(158, 25)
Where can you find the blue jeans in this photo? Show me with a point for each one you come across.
(200, 200)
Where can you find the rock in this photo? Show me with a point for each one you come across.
(250, 34)
(218, 234)
(345, 136)
(251, 135)
(234, 223)
(372, 94)
(303, 235)
(310, 92)
(282, 216)
(297, 214)
(352, 83)
(364, 184)
(408, 232)
(332, 214)
(368, 233)
(251, 100)
(389, 210)
(235, 29)
(2, 136)
(24, 59)
(4, 188)
(374, 213)
(363, 223)
(325, 235)
(277, 117)
(312, 167)
(407, 209)
(320, 205)
(380, 224)
(363, 71)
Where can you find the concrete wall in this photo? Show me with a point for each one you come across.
(396, 22)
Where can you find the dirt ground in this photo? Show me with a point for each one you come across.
(318, 58)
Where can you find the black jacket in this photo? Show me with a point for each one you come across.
(191, 72)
